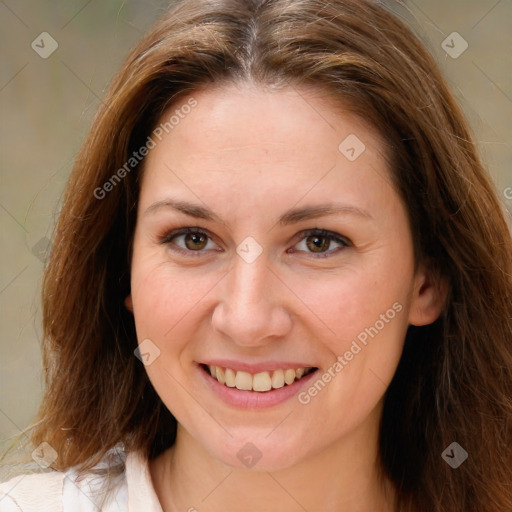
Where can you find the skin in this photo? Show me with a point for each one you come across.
(249, 155)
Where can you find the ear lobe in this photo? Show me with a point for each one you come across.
(429, 296)
(128, 303)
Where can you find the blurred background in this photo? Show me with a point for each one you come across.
(57, 58)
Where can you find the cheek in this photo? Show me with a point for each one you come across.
(369, 329)
(164, 296)
(166, 305)
(357, 297)
(365, 309)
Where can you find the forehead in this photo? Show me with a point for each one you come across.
(245, 142)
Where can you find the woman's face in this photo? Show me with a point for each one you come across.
(301, 257)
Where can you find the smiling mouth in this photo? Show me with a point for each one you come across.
(260, 382)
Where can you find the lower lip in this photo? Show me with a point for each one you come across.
(254, 399)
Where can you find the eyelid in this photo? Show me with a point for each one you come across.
(331, 235)
(168, 236)
(323, 232)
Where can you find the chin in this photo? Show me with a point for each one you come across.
(260, 454)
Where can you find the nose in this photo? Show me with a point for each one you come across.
(251, 310)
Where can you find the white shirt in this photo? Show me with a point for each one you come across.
(62, 492)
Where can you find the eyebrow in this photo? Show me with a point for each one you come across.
(292, 216)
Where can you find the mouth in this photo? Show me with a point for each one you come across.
(261, 382)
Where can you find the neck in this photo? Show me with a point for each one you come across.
(344, 476)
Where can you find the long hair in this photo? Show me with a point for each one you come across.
(454, 381)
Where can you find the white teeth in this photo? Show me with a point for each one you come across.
(289, 376)
(278, 379)
(261, 382)
(220, 374)
(243, 381)
(229, 375)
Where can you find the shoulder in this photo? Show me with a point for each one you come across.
(31, 493)
(69, 491)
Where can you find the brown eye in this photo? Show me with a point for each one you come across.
(321, 243)
(189, 240)
(196, 241)
(317, 243)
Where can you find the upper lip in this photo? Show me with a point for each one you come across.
(256, 367)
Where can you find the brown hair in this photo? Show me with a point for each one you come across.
(454, 381)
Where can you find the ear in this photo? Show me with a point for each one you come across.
(128, 303)
(428, 299)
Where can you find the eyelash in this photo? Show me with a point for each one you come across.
(321, 233)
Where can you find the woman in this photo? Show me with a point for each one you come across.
(280, 280)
